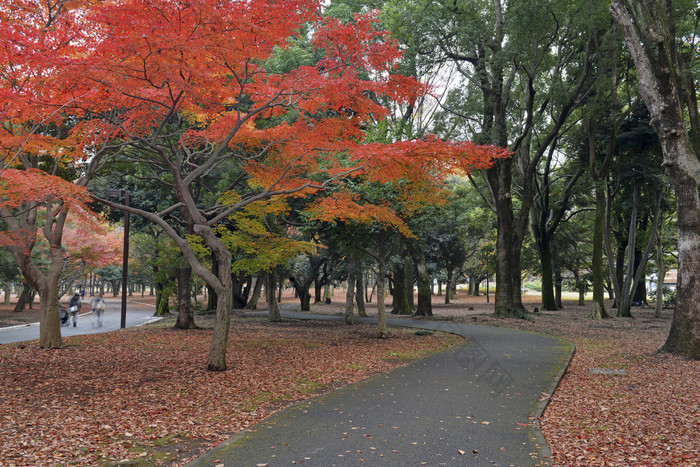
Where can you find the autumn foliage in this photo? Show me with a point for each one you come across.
(184, 87)
(120, 69)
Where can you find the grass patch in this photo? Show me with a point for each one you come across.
(356, 366)
(308, 386)
(165, 440)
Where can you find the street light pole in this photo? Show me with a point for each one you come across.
(125, 261)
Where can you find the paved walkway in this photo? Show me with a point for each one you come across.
(467, 406)
(137, 314)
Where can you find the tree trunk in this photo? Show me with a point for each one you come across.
(508, 301)
(211, 295)
(448, 286)
(425, 306)
(488, 289)
(598, 310)
(217, 349)
(49, 321)
(660, 274)
(162, 299)
(350, 292)
(8, 291)
(318, 290)
(24, 297)
(360, 295)
(557, 279)
(240, 289)
(50, 324)
(618, 272)
(625, 290)
(548, 300)
(185, 313)
(410, 276)
(305, 300)
(46, 283)
(270, 291)
(302, 287)
(401, 300)
(319, 284)
(640, 290)
(658, 68)
(381, 307)
(116, 286)
(255, 296)
(328, 292)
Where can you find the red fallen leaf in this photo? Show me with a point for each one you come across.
(523, 424)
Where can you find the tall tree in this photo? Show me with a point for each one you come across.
(210, 78)
(522, 84)
(650, 31)
(47, 153)
(550, 206)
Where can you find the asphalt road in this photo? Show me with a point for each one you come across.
(137, 314)
(477, 404)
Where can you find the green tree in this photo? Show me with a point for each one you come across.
(518, 88)
(9, 273)
(667, 86)
(635, 195)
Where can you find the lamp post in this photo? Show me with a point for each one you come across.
(125, 261)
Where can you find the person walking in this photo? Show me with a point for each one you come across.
(74, 307)
(98, 309)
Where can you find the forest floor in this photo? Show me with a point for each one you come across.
(144, 394)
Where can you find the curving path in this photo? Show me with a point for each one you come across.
(477, 404)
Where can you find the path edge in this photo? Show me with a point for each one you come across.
(543, 450)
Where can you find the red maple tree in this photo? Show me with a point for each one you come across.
(186, 86)
(46, 158)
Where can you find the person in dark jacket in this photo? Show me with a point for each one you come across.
(74, 308)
